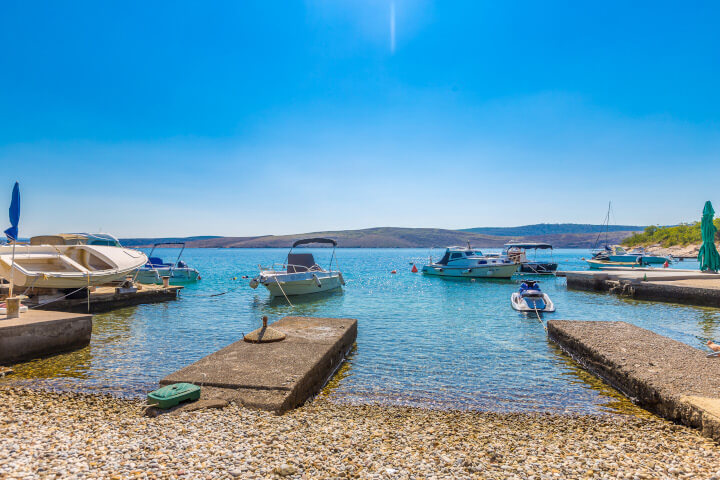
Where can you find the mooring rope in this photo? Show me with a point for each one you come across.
(283, 292)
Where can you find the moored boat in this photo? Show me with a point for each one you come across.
(155, 269)
(517, 252)
(300, 274)
(531, 299)
(470, 263)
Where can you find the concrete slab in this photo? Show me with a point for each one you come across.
(687, 287)
(39, 333)
(105, 299)
(275, 376)
(665, 376)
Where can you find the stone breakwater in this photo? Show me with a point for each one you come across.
(53, 435)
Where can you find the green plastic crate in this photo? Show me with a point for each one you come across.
(171, 395)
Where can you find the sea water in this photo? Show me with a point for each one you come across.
(422, 341)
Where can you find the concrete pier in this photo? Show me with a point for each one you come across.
(105, 299)
(665, 376)
(675, 286)
(40, 333)
(274, 376)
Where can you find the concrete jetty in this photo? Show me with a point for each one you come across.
(104, 299)
(689, 287)
(39, 333)
(274, 376)
(665, 376)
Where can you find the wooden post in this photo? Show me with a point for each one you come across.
(13, 307)
(166, 282)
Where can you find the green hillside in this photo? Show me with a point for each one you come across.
(683, 234)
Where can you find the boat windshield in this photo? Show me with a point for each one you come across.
(474, 254)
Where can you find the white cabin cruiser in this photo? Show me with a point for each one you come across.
(67, 266)
(300, 275)
(466, 262)
(531, 299)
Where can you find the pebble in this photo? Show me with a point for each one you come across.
(72, 435)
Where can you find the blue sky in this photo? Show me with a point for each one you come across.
(247, 118)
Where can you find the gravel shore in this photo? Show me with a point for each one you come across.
(67, 435)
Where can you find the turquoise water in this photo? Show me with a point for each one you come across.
(423, 341)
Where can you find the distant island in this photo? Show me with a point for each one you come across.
(565, 235)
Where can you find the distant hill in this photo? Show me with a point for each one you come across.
(552, 229)
(139, 242)
(392, 237)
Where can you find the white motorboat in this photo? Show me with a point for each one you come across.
(300, 275)
(179, 271)
(466, 262)
(531, 299)
(67, 266)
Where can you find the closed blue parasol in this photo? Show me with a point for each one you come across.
(12, 232)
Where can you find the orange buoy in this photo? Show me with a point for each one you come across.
(414, 269)
(394, 271)
(666, 264)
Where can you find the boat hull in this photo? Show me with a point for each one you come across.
(505, 270)
(177, 275)
(293, 284)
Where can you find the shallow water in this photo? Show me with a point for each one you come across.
(423, 341)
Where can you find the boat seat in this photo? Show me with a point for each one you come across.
(300, 262)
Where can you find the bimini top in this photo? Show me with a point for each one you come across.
(540, 246)
(314, 240)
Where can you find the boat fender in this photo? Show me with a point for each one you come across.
(254, 283)
(317, 280)
(342, 279)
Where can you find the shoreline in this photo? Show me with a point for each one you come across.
(48, 434)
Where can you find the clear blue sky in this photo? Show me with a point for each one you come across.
(246, 118)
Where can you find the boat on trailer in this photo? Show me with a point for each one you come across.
(67, 266)
(531, 299)
(300, 274)
(155, 268)
(470, 263)
(517, 252)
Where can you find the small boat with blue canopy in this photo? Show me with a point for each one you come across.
(155, 268)
(470, 263)
(531, 299)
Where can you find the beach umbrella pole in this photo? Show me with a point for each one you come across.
(12, 270)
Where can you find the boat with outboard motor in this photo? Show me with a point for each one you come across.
(517, 252)
(531, 299)
(616, 253)
(300, 275)
(155, 269)
(67, 266)
(471, 263)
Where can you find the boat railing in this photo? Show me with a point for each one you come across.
(282, 267)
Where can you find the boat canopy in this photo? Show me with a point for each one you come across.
(314, 240)
(540, 246)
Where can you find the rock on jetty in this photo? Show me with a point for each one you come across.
(46, 435)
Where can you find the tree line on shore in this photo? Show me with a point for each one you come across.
(683, 234)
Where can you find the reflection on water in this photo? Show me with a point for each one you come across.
(424, 341)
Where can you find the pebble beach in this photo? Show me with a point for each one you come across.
(72, 435)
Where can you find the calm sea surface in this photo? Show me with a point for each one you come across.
(422, 341)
